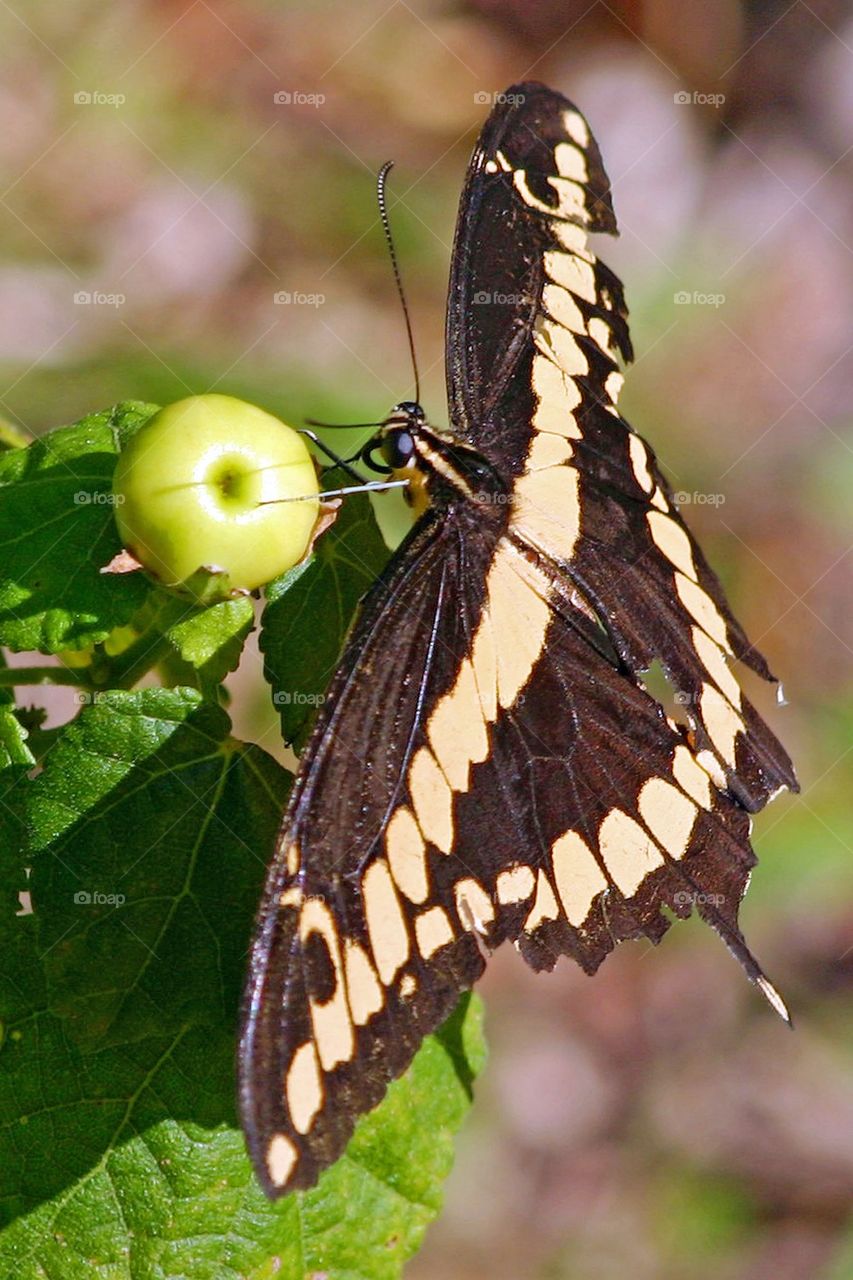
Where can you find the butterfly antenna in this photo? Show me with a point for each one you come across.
(386, 227)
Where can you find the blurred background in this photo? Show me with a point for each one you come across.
(188, 205)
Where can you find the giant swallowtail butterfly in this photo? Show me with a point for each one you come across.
(488, 764)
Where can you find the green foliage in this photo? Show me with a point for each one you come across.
(56, 533)
(308, 611)
(142, 845)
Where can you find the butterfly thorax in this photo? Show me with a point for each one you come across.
(441, 469)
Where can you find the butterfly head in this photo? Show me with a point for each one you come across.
(398, 441)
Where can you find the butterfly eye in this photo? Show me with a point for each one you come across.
(398, 449)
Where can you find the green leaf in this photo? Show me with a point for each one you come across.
(369, 1212)
(16, 968)
(56, 532)
(13, 736)
(197, 644)
(12, 436)
(310, 608)
(120, 1153)
(211, 640)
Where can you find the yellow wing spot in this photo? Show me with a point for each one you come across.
(457, 730)
(571, 238)
(613, 384)
(485, 663)
(702, 609)
(672, 540)
(294, 859)
(558, 397)
(709, 762)
(304, 1088)
(386, 924)
(544, 904)
(559, 345)
(640, 463)
(547, 511)
(571, 162)
(555, 416)
(519, 178)
(406, 852)
(547, 450)
(669, 815)
(408, 986)
(659, 500)
(365, 994)
(514, 885)
(561, 306)
(432, 799)
(576, 128)
(713, 659)
(628, 852)
(432, 931)
(281, 1157)
(519, 615)
(600, 333)
(571, 199)
(722, 722)
(691, 776)
(292, 897)
(572, 272)
(473, 905)
(577, 875)
(333, 1032)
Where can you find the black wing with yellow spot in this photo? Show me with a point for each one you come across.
(488, 764)
(533, 382)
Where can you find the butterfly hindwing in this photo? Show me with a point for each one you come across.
(356, 955)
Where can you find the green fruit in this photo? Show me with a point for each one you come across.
(189, 487)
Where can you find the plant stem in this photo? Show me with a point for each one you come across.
(134, 662)
(43, 675)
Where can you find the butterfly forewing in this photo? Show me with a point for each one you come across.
(488, 764)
